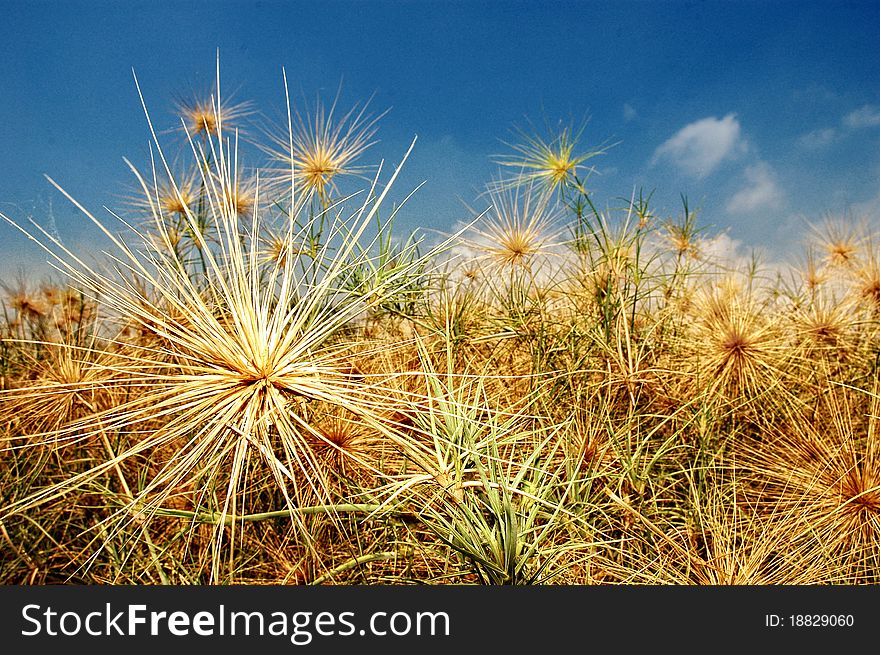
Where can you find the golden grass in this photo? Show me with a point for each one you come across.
(265, 384)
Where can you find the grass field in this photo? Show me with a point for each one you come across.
(267, 383)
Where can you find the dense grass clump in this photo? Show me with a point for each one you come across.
(265, 383)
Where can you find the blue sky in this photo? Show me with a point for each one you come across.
(766, 115)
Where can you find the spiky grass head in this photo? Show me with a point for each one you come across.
(27, 304)
(71, 381)
(239, 354)
(171, 198)
(812, 273)
(825, 327)
(840, 240)
(682, 239)
(208, 114)
(517, 232)
(348, 448)
(867, 276)
(325, 147)
(823, 465)
(739, 349)
(174, 199)
(550, 163)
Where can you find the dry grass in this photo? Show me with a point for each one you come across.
(266, 384)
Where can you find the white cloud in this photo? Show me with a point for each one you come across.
(867, 116)
(761, 191)
(699, 147)
(863, 117)
(724, 250)
(629, 112)
(818, 138)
